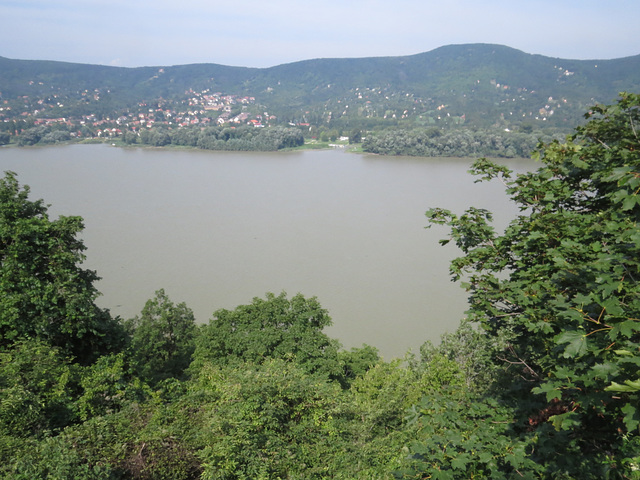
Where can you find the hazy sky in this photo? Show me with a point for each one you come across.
(265, 33)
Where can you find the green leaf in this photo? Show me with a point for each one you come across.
(550, 389)
(629, 386)
(442, 475)
(577, 343)
(603, 370)
(485, 457)
(612, 304)
(460, 462)
(629, 202)
(623, 353)
(565, 421)
(631, 417)
(618, 173)
(626, 328)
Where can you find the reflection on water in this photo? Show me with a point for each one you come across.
(215, 229)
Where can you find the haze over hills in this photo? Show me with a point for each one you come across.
(476, 85)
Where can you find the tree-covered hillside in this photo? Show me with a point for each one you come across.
(475, 85)
(540, 381)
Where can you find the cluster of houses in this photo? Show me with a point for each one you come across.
(197, 109)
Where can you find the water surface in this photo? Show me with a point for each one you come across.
(215, 229)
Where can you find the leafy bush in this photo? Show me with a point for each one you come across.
(36, 389)
(162, 339)
(44, 292)
(275, 327)
(561, 286)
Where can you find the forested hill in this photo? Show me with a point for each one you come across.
(477, 85)
(479, 81)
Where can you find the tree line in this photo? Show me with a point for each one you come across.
(435, 142)
(220, 138)
(242, 138)
(539, 381)
(423, 142)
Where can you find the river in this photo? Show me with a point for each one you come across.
(215, 229)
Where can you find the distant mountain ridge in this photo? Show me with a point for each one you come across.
(474, 84)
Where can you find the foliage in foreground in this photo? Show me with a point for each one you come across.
(162, 339)
(561, 284)
(276, 327)
(44, 293)
(547, 387)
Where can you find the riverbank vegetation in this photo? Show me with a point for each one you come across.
(540, 381)
(434, 142)
(421, 142)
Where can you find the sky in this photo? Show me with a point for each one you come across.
(251, 33)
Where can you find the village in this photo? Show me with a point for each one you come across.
(69, 116)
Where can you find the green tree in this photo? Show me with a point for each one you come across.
(470, 350)
(129, 137)
(56, 136)
(272, 328)
(355, 136)
(267, 421)
(561, 284)
(162, 339)
(159, 137)
(460, 436)
(378, 403)
(143, 440)
(44, 293)
(107, 386)
(383, 394)
(36, 390)
(357, 361)
(31, 136)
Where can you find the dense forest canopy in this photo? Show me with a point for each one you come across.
(540, 381)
